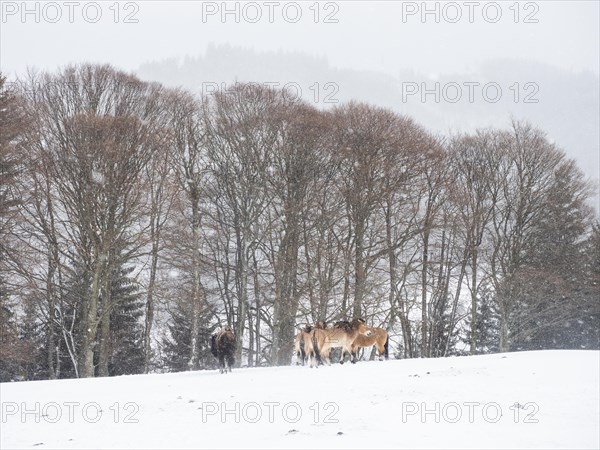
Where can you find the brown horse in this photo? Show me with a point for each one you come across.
(379, 337)
(300, 344)
(303, 344)
(342, 334)
(222, 346)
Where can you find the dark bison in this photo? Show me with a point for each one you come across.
(222, 346)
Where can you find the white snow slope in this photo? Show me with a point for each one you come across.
(545, 399)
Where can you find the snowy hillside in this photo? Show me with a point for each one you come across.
(546, 399)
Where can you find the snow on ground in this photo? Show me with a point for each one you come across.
(545, 399)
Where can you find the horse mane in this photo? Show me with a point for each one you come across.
(344, 325)
(349, 326)
(321, 324)
(227, 338)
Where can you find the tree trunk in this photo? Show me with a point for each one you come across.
(104, 340)
(463, 267)
(89, 325)
(104, 344)
(250, 340)
(277, 308)
(149, 317)
(50, 338)
(424, 294)
(474, 301)
(284, 326)
(504, 330)
(257, 303)
(194, 357)
(53, 267)
(359, 269)
(242, 290)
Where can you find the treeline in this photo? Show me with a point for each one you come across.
(137, 219)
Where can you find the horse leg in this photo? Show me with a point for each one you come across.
(230, 361)
(314, 361)
(353, 352)
(313, 352)
(318, 355)
(310, 358)
(343, 355)
(379, 352)
(386, 348)
(319, 358)
(352, 357)
(302, 352)
(221, 362)
(327, 356)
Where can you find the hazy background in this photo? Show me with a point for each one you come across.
(373, 52)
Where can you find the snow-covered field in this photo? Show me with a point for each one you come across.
(546, 399)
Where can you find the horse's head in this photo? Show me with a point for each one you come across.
(227, 333)
(306, 329)
(362, 327)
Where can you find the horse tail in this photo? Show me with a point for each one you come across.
(386, 347)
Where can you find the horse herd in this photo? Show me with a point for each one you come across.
(313, 344)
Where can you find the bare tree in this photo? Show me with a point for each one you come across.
(189, 164)
(93, 127)
(524, 178)
(475, 165)
(14, 127)
(367, 142)
(296, 158)
(239, 142)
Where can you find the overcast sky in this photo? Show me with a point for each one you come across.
(380, 36)
(453, 39)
